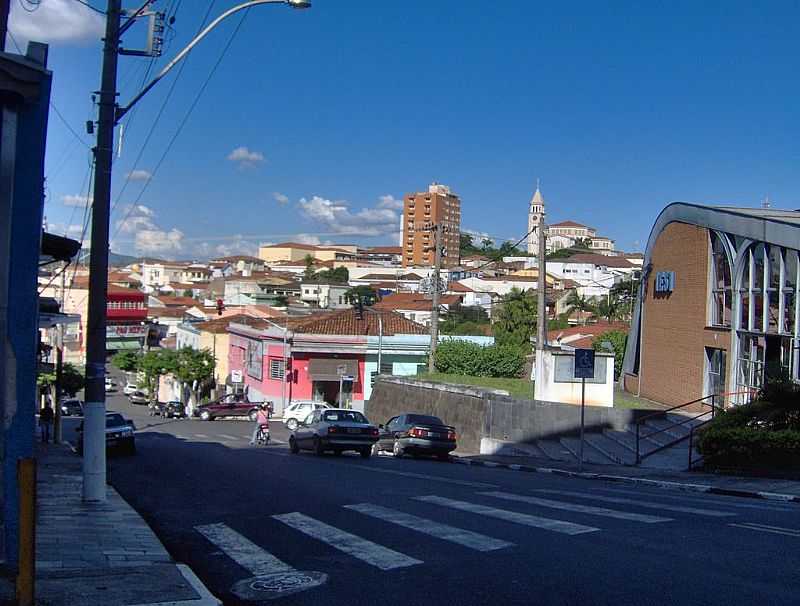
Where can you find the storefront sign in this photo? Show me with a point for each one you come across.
(665, 281)
(236, 376)
(255, 359)
(131, 330)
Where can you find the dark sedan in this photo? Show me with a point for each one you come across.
(71, 408)
(417, 434)
(229, 407)
(336, 430)
(119, 434)
(173, 409)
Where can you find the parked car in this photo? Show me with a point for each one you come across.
(416, 434)
(298, 411)
(71, 407)
(129, 388)
(110, 386)
(228, 406)
(119, 434)
(334, 429)
(139, 397)
(173, 409)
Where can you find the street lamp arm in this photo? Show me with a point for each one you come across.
(121, 111)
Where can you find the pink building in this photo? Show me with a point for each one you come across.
(326, 356)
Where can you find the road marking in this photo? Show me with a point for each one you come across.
(228, 437)
(510, 516)
(422, 476)
(789, 532)
(467, 538)
(200, 435)
(644, 504)
(723, 500)
(243, 551)
(367, 551)
(598, 511)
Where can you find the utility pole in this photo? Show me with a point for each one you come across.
(437, 266)
(57, 429)
(541, 303)
(94, 425)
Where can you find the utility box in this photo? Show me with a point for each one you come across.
(554, 375)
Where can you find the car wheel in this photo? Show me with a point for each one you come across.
(291, 424)
(337, 453)
(205, 415)
(366, 453)
(397, 450)
(444, 456)
(293, 447)
(318, 449)
(375, 449)
(252, 415)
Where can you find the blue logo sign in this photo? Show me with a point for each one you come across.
(584, 363)
(665, 281)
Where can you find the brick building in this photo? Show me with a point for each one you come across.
(717, 311)
(423, 210)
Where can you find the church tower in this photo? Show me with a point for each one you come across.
(535, 218)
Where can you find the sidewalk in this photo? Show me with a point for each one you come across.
(100, 554)
(759, 488)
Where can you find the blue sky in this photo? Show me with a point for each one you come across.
(338, 111)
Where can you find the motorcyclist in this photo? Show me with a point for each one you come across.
(262, 420)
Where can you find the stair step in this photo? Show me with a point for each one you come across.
(669, 427)
(627, 439)
(675, 458)
(611, 449)
(590, 454)
(688, 420)
(553, 449)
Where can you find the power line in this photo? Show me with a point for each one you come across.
(185, 118)
(72, 130)
(158, 116)
(87, 5)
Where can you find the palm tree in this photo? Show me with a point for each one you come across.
(579, 304)
(609, 309)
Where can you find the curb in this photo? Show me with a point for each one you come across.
(685, 486)
(206, 597)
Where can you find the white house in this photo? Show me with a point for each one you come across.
(325, 295)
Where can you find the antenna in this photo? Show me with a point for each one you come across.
(765, 203)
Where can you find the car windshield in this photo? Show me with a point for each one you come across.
(115, 420)
(346, 416)
(424, 419)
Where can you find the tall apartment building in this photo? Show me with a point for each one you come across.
(423, 210)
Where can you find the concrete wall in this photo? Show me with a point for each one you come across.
(483, 413)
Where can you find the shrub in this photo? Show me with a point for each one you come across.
(465, 358)
(618, 339)
(726, 446)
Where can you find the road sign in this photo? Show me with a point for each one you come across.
(348, 378)
(584, 363)
(236, 376)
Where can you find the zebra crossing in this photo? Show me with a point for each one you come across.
(270, 572)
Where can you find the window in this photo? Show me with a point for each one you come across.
(276, 369)
(720, 283)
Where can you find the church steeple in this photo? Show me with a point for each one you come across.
(535, 216)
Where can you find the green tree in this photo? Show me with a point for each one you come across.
(609, 309)
(469, 320)
(309, 273)
(516, 319)
(367, 294)
(579, 304)
(72, 379)
(188, 293)
(340, 275)
(194, 368)
(126, 360)
(486, 245)
(625, 292)
(281, 301)
(617, 339)
(155, 364)
(584, 243)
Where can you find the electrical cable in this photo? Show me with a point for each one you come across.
(87, 5)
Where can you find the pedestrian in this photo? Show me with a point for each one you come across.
(45, 421)
(262, 419)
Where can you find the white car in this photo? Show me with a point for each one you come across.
(298, 411)
(129, 388)
(110, 386)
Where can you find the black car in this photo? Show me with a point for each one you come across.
(119, 434)
(416, 434)
(336, 430)
(71, 407)
(173, 409)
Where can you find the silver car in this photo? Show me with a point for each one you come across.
(335, 430)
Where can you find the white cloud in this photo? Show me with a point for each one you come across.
(389, 201)
(55, 21)
(337, 217)
(238, 245)
(245, 157)
(74, 200)
(307, 239)
(139, 175)
(280, 198)
(73, 230)
(148, 236)
(159, 241)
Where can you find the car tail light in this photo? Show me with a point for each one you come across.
(451, 435)
(416, 432)
(374, 431)
(333, 429)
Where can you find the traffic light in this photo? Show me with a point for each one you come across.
(220, 306)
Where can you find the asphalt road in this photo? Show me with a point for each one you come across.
(260, 522)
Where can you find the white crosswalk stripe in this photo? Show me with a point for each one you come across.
(243, 551)
(639, 503)
(510, 516)
(367, 551)
(467, 538)
(598, 511)
(230, 437)
(789, 532)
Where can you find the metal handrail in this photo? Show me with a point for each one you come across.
(712, 405)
